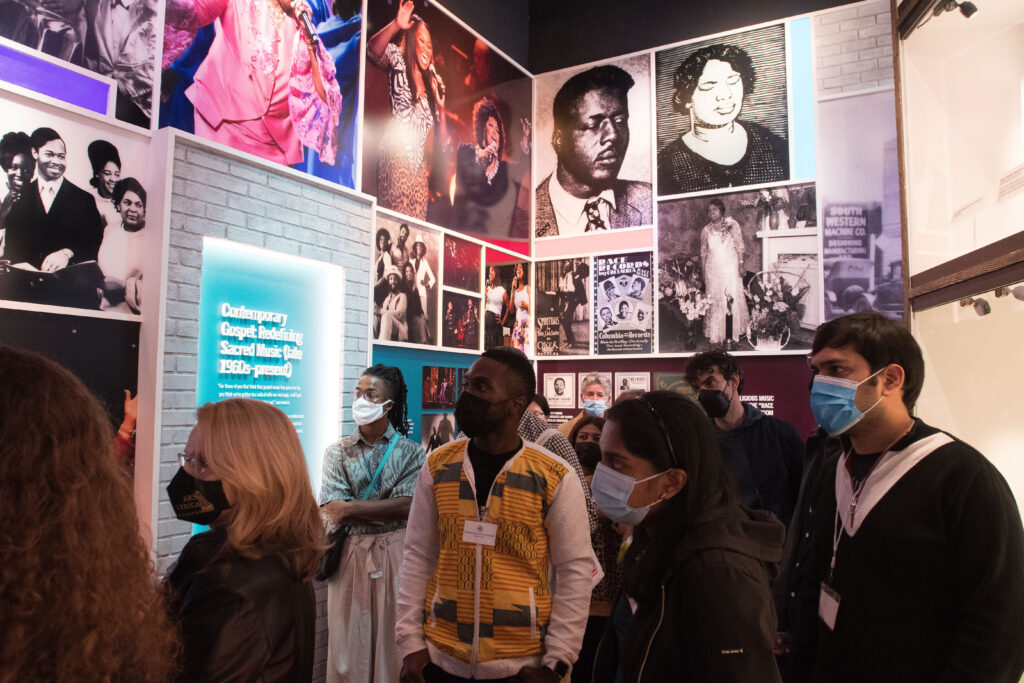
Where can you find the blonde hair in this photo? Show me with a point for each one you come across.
(255, 451)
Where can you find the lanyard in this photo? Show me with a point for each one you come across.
(837, 533)
(380, 468)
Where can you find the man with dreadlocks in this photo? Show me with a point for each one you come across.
(369, 478)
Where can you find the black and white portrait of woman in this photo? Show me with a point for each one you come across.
(722, 113)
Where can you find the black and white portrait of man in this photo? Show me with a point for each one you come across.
(597, 122)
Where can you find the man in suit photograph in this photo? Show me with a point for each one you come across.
(55, 223)
(590, 138)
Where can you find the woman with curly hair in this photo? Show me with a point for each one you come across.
(242, 591)
(77, 587)
(486, 185)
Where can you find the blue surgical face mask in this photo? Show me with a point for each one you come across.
(594, 408)
(832, 402)
(611, 491)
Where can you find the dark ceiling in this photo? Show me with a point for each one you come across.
(544, 35)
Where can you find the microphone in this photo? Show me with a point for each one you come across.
(308, 30)
(437, 79)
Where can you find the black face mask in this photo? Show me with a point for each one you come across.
(195, 500)
(589, 454)
(474, 415)
(715, 402)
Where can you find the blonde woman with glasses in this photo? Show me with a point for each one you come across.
(242, 591)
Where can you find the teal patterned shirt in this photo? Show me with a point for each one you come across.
(349, 465)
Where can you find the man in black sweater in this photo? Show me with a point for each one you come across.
(918, 549)
(764, 454)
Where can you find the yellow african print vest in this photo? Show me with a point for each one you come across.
(503, 588)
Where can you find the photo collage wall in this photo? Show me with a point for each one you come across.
(765, 209)
(732, 191)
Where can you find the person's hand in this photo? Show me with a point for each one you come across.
(131, 410)
(336, 511)
(437, 85)
(404, 16)
(56, 261)
(524, 142)
(537, 674)
(414, 663)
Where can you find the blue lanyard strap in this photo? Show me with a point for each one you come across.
(380, 468)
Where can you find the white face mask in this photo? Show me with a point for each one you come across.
(366, 412)
(611, 491)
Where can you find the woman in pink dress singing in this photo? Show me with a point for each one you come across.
(266, 87)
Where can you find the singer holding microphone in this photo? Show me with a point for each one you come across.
(486, 185)
(404, 50)
(267, 86)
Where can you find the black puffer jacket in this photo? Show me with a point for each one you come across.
(240, 619)
(712, 618)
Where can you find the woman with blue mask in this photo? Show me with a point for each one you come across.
(696, 603)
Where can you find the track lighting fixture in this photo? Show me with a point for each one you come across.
(967, 8)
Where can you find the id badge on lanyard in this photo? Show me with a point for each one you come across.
(828, 598)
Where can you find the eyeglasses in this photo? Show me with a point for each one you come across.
(193, 463)
(370, 395)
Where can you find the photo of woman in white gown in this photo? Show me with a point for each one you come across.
(721, 258)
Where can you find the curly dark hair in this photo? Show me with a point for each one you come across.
(398, 416)
(383, 232)
(79, 593)
(711, 360)
(484, 109)
(688, 73)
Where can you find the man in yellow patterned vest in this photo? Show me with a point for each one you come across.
(494, 520)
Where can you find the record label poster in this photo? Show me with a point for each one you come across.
(623, 304)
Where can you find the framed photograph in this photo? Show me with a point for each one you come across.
(508, 306)
(454, 151)
(439, 388)
(562, 297)
(575, 163)
(631, 381)
(461, 264)
(560, 390)
(624, 304)
(736, 272)
(75, 230)
(242, 81)
(460, 325)
(723, 112)
(437, 429)
(405, 287)
(674, 381)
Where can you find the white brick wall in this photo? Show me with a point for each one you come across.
(219, 196)
(853, 49)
